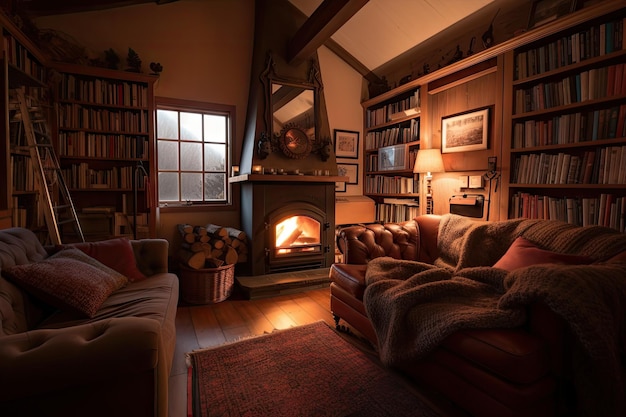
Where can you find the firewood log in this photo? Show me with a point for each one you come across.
(186, 232)
(214, 263)
(236, 233)
(215, 230)
(230, 256)
(193, 260)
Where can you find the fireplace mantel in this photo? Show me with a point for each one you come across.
(286, 178)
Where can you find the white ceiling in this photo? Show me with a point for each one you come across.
(384, 29)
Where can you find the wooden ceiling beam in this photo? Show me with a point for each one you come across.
(323, 23)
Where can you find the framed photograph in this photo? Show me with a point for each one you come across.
(346, 144)
(465, 132)
(392, 158)
(340, 187)
(545, 11)
(349, 170)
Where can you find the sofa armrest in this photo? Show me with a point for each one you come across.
(362, 243)
(45, 360)
(151, 255)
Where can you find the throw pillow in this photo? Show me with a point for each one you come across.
(69, 280)
(115, 253)
(525, 253)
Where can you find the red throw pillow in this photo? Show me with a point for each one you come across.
(523, 253)
(115, 253)
(69, 280)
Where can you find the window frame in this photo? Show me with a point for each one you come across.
(193, 106)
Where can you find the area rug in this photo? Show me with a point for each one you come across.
(303, 371)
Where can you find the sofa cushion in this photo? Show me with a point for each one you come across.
(524, 253)
(69, 280)
(115, 253)
(349, 277)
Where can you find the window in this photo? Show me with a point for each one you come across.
(193, 152)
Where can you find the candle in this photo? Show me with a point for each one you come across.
(257, 169)
(235, 170)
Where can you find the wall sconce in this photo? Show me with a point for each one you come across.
(428, 161)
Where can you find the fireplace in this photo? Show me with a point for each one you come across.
(290, 222)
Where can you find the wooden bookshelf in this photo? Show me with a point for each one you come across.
(392, 138)
(567, 141)
(105, 131)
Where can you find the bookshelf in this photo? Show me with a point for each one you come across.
(105, 132)
(392, 138)
(567, 145)
(23, 66)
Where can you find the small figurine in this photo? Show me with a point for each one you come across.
(156, 68)
(264, 146)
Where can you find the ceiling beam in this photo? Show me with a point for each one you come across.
(323, 23)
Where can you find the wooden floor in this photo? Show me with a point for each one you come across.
(215, 324)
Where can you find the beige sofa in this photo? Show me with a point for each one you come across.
(114, 361)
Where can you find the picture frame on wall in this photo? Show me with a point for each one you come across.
(340, 187)
(465, 132)
(346, 144)
(348, 170)
(545, 11)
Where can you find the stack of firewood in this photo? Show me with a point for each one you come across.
(211, 246)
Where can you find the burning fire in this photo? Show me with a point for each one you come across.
(297, 231)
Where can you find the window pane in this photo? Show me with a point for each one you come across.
(191, 126)
(190, 156)
(168, 186)
(214, 157)
(168, 155)
(214, 186)
(167, 124)
(191, 186)
(214, 128)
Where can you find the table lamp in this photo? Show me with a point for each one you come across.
(428, 161)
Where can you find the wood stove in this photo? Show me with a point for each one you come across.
(290, 222)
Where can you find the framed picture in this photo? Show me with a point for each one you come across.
(465, 132)
(346, 144)
(545, 11)
(392, 158)
(340, 187)
(349, 170)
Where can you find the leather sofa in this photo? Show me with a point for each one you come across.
(488, 372)
(114, 361)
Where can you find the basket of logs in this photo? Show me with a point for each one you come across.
(207, 258)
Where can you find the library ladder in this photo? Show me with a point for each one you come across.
(56, 200)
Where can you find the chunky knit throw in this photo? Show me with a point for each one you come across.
(413, 306)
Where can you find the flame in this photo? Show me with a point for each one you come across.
(297, 231)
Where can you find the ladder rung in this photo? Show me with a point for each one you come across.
(65, 221)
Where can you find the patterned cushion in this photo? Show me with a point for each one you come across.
(524, 253)
(114, 253)
(68, 280)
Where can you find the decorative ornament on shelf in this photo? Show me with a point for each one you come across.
(111, 59)
(487, 37)
(133, 61)
(264, 146)
(156, 68)
(325, 149)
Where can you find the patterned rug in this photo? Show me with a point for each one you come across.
(303, 371)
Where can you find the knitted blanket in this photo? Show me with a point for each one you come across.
(413, 306)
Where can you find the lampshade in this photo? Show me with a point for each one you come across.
(428, 160)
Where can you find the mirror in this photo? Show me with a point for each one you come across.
(295, 106)
(291, 109)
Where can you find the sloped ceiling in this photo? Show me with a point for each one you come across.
(380, 31)
(384, 29)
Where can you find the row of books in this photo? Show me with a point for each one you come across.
(77, 116)
(393, 135)
(20, 211)
(597, 40)
(23, 173)
(408, 106)
(20, 57)
(591, 84)
(608, 210)
(82, 144)
(397, 210)
(601, 166)
(102, 91)
(383, 184)
(607, 123)
(80, 176)
(373, 161)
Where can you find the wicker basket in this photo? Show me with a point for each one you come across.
(208, 285)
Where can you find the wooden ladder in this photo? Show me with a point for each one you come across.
(55, 196)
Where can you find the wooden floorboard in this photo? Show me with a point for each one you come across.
(210, 325)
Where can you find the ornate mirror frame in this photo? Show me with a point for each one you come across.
(293, 140)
